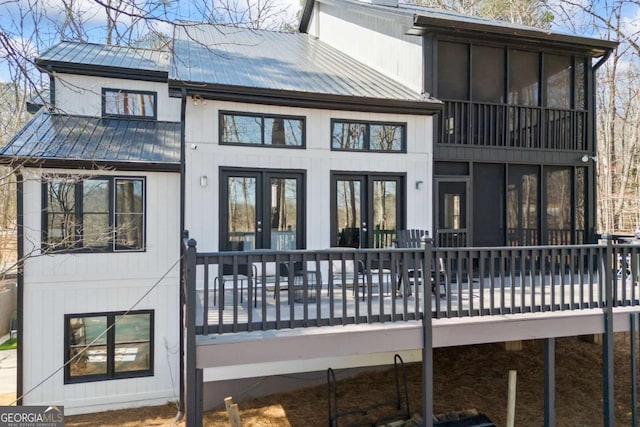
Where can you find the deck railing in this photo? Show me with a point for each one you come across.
(500, 125)
(266, 290)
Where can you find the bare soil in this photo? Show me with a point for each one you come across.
(472, 377)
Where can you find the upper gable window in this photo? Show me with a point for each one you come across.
(129, 103)
(261, 129)
(368, 136)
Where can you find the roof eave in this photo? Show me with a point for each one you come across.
(304, 99)
(85, 164)
(102, 71)
(595, 47)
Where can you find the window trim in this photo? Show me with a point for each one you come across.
(112, 246)
(129, 116)
(111, 374)
(262, 117)
(368, 124)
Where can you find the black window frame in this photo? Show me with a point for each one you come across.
(129, 116)
(112, 245)
(367, 135)
(111, 373)
(262, 117)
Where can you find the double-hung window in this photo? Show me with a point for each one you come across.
(102, 346)
(368, 136)
(93, 214)
(262, 129)
(129, 104)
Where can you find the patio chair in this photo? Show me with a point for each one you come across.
(270, 273)
(347, 273)
(413, 238)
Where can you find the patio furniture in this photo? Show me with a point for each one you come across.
(270, 273)
(413, 238)
(305, 282)
(348, 273)
(227, 275)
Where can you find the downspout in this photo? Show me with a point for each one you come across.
(20, 285)
(183, 108)
(594, 178)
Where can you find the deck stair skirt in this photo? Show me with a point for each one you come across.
(376, 414)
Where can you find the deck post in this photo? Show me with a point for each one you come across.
(608, 410)
(632, 343)
(193, 418)
(427, 336)
(549, 382)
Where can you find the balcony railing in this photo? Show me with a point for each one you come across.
(482, 124)
(267, 290)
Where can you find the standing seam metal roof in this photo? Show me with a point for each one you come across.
(97, 55)
(229, 56)
(65, 137)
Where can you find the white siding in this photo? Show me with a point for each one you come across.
(378, 42)
(60, 284)
(205, 157)
(82, 95)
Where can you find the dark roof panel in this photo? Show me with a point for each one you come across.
(66, 138)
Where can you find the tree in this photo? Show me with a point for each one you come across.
(618, 106)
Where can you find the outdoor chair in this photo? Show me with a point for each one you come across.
(270, 274)
(348, 273)
(413, 238)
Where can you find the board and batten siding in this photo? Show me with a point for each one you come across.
(379, 42)
(82, 95)
(205, 157)
(59, 284)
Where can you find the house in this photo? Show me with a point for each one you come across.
(373, 118)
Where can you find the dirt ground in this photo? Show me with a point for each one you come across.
(465, 378)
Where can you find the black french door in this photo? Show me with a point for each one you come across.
(261, 209)
(366, 209)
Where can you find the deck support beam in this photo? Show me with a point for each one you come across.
(608, 410)
(427, 338)
(194, 416)
(549, 382)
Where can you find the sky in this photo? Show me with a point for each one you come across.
(17, 21)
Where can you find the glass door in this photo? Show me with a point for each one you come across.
(261, 210)
(451, 213)
(366, 210)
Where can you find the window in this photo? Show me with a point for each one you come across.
(96, 214)
(129, 103)
(453, 71)
(260, 129)
(524, 78)
(101, 346)
(361, 136)
(558, 79)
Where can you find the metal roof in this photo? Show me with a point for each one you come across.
(422, 17)
(292, 64)
(57, 138)
(96, 57)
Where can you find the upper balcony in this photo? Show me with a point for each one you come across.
(497, 125)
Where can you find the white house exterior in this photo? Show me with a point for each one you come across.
(252, 141)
